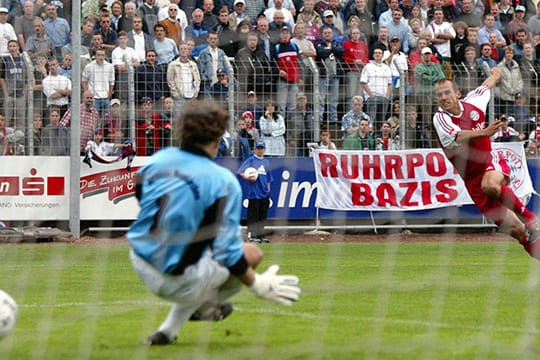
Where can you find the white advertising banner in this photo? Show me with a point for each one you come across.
(402, 180)
(34, 188)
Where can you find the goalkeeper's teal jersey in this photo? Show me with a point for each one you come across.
(189, 204)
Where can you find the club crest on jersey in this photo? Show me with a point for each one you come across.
(474, 115)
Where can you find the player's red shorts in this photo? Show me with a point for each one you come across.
(490, 207)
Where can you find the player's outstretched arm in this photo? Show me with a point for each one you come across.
(493, 79)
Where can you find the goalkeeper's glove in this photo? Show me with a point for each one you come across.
(282, 289)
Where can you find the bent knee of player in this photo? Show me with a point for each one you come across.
(491, 187)
(253, 254)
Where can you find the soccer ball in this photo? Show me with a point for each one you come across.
(251, 172)
(8, 314)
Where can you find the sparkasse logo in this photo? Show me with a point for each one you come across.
(32, 185)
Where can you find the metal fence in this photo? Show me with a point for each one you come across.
(145, 96)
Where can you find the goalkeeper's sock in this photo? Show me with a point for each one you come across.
(512, 202)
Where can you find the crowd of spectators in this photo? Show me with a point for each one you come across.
(366, 52)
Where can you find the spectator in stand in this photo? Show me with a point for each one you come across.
(37, 128)
(55, 137)
(397, 61)
(210, 19)
(139, 40)
(311, 19)
(125, 22)
(497, 53)
(486, 56)
(91, 9)
(329, 54)
(253, 69)
(180, 14)
(40, 72)
(468, 16)
(286, 56)
(87, 32)
(499, 24)
(116, 14)
(273, 130)
(339, 17)
(24, 24)
(382, 42)
(442, 32)
(183, 78)
(228, 39)
(150, 79)
(386, 17)
(355, 57)
(242, 149)
(530, 72)
(488, 28)
(121, 56)
(110, 36)
(426, 75)
(220, 90)
(384, 139)
(115, 125)
(329, 22)
(13, 81)
(521, 38)
(65, 68)
(253, 8)
(173, 27)
(517, 24)
(255, 108)
(306, 47)
(97, 44)
(366, 19)
(165, 47)
(147, 129)
(238, 14)
(533, 145)
(414, 136)
(326, 140)
(415, 33)
(89, 119)
(511, 82)
(468, 74)
(252, 133)
(57, 29)
(376, 81)
(7, 30)
(523, 118)
(459, 41)
(278, 6)
(351, 120)
(393, 119)
(506, 11)
(197, 31)
(98, 77)
(56, 88)
(277, 24)
(265, 40)
(362, 139)
(534, 22)
(100, 147)
(507, 133)
(242, 31)
(210, 60)
(148, 11)
(398, 28)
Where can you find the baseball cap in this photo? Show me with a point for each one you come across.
(147, 99)
(239, 2)
(251, 92)
(260, 144)
(115, 102)
(511, 119)
(284, 28)
(395, 38)
(503, 117)
(328, 13)
(518, 95)
(3, 10)
(248, 114)
(221, 71)
(426, 50)
(98, 131)
(521, 8)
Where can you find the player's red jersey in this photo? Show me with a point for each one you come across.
(473, 157)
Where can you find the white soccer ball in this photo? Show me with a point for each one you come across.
(251, 172)
(9, 312)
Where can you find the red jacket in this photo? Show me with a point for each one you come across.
(354, 51)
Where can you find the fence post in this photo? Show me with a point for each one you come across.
(315, 98)
(131, 99)
(230, 100)
(29, 146)
(402, 121)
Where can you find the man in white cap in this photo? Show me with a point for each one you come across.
(7, 30)
(238, 14)
(427, 73)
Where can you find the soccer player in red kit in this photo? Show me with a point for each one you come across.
(461, 130)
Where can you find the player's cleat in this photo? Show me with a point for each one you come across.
(254, 240)
(218, 313)
(159, 338)
(532, 245)
(264, 240)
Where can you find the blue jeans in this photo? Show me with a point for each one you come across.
(286, 98)
(376, 107)
(102, 106)
(329, 86)
(354, 87)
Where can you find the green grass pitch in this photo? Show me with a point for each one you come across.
(391, 300)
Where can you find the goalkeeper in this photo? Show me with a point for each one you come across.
(186, 242)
